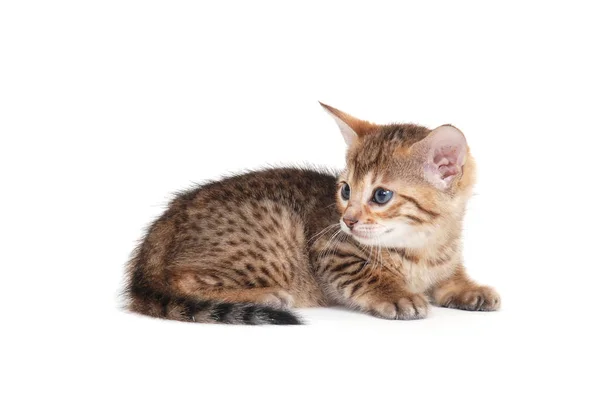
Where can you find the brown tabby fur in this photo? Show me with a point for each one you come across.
(247, 248)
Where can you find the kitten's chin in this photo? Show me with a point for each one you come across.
(400, 238)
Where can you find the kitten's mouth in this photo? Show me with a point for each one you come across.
(367, 234)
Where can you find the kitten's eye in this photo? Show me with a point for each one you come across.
(345, 192)
(382, 196)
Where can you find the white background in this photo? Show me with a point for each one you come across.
(108, 107)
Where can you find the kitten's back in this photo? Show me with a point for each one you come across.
(224, 249)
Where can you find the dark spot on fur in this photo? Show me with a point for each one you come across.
(262, 282)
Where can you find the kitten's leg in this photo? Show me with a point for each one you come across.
(275, 297)
(214, 287)
(355, 283)
(460, 292)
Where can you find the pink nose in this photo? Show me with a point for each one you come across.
(350, 221)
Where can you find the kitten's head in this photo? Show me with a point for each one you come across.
(403, 183)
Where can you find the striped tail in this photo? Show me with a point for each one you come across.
(152, 303)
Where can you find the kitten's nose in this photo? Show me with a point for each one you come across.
(350, 221)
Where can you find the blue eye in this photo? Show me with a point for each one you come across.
(382, 196)
(345, 192)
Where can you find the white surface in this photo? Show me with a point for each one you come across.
(106, 108)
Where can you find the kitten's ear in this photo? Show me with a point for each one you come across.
(444, 153)
(351, 127)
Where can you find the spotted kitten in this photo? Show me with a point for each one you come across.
(383, 238)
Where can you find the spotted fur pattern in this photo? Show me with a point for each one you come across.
(249, 248)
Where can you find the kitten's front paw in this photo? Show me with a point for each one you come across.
(473, 299)
(409, 307)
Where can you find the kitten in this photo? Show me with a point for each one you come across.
(383, 238)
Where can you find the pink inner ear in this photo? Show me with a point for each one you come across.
(446, 151)
(446, 160)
